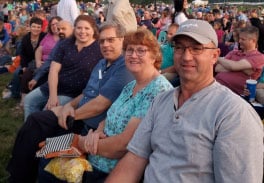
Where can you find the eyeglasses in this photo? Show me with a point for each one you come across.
(194, 50)
(108, 39)
(139, 52)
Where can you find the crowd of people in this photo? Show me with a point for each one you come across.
(112, 68)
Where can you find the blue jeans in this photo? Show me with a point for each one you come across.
(15, 82)
(36, 101)
(3, 70)
(5, 59)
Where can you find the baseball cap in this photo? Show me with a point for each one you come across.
(199, 30)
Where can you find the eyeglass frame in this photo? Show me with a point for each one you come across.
(191, 49)
(108, 39)
(132, 50)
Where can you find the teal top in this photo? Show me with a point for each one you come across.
(261, 79)
(167, 55)
(123, 109)
(162, 37)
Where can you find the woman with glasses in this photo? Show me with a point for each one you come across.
(107, 144)
(41, 54)
(70, 68)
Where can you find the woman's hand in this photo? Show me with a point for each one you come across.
(39, 63)
(32, 84)
(52, 102)
(89, 143)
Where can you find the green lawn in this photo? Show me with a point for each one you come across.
(10, 121)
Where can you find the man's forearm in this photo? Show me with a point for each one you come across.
(93, 108)
(220, 68)
(74, 103)
(136, 166)
(225, 63)
(231, 65)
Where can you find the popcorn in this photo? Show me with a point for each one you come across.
(68, 169)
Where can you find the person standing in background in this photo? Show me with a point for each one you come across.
(68, 10)
(180, 14)
(120, 12)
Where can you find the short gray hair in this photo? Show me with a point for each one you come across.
(120, 30)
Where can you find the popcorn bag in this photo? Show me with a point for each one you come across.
(69, 161)
(68, 169)
(61, 146)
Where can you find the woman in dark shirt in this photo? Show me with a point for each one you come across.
(29, 44)
(70, 68)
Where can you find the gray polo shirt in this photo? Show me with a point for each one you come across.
(215, 136)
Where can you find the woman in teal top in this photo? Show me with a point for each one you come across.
(107, 144)
(167, 67)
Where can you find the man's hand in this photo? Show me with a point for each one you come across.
(246, 91)
(66, 111)
(57, 111)
(32, 84)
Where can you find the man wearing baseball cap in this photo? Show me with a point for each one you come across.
(198, 132)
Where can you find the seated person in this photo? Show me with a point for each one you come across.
(48, 42)
(199, 132)
(232, 43)
(219, 31)
(146, 21)
(167, 65)
(4, 38)
(10, 67)
(143, 59)
(21, 31)
(65, 31)
(88, 108)
(74, 60)
(259, 96)
(260, 93)
(162, 38)
(15, 62)
(163, 22)
(239, 65)
(28, 45)
(41, 53)
(42, 15)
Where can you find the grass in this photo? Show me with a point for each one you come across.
(10, 121)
